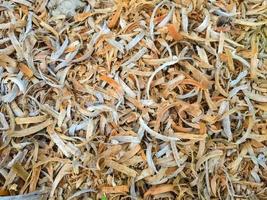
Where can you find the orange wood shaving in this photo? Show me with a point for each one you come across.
(159, 189)
(3, 192)
(112, 82)
(115, 18)
(25, 70)
(174, 33)
(229, 59)
(82, 16)
(160, 18)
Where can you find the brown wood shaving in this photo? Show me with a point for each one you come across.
(133, 99)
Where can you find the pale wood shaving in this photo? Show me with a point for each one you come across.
(133, 99)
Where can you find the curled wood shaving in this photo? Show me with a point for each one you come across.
(30, 120)
(114, 20)
(26, 70)
(133, 99)
(159, 189)
(121, 168)
(30, 196)
(174, 33)
(32, 130)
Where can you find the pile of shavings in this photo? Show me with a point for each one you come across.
(133, 99)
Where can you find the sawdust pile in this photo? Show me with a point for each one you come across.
(133, 99)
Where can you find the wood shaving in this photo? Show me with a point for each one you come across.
(133, 99)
